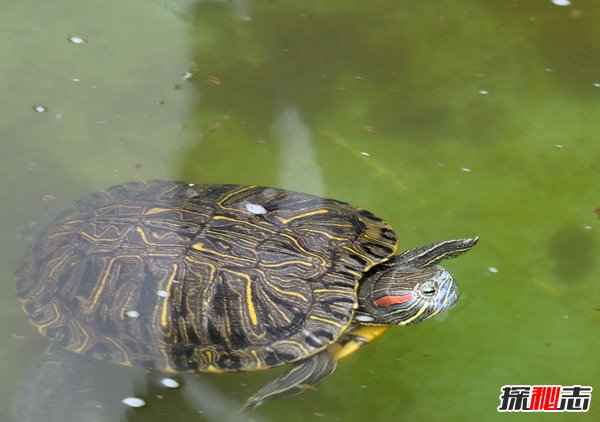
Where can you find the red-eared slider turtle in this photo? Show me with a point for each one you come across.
(213, 278)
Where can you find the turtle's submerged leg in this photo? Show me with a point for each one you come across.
(58, 389)
(299, 377)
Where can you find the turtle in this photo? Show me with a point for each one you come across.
(183, 277)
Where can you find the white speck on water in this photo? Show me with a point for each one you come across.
(58, 115)
(566, 316)
(40, 108)
(163, 293)
(597, 84)
(562, 2)
(587, 227)
(559, 146)
(133, 402)
(366, 154)
(187, 75)
(364, 318)
(77, 39)
(484, 92)
(466, 169)
(169, 383)
(493, 269)
(255, 208)
(191, 185)
(76, 80)
(133, 314)
(358, 77)
(549, 69)
(440, 164)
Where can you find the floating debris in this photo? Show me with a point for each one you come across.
(77, 39)
(133, 314)
(561, 2)
(255, 208)
(133, 402)
(169, 383)
(40, 108)
(163, 293)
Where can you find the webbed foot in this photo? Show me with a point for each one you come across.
(301, 376)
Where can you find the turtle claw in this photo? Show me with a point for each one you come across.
(302, 376)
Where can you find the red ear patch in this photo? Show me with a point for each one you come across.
(384, 301)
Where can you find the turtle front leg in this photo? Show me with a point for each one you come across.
(301, 376)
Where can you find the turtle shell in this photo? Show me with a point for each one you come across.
(179, 276)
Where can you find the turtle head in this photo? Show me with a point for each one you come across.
(410, 287)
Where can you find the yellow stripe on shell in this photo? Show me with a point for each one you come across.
(287, 293)
(42, 326)
(84, 344)
(365, 257)
(238, 221)
(327, 235)
(100, 286)
(125, 354)
(235, 192)
(249, 303)
(328, 321)
(306, 214)
(302, 249)
(213, 370)
(342, 291)
(57, 266)
(257, 358)
(199, 246)
(284, 263)
(165, 306)
(152, 211)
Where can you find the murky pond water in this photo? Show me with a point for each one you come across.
(447, 119)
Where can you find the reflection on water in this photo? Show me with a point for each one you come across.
(299, 169)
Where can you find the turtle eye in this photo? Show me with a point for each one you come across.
(428, 290)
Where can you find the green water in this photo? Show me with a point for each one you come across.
(448, 119)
